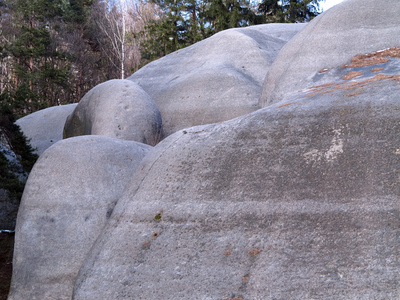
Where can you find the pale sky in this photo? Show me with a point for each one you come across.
(325, 5)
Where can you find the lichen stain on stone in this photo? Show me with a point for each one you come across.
(255, 252)
(359, 61)
(336, 146)
(351, 75)
(227, 252)
(331, 87)
(330, 155)
(312, 156)
(376, 70)
(374, 58)
(286, 104)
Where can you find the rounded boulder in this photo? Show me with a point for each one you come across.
(68, 198)
(216, 79)
(299, 200)
(45, 127)
(119, 109)
(330, 40)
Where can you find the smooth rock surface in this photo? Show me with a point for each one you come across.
(118, 109)
(299, 200)
(69, 196)
(45, 127)
(350, 28)
(216, 79)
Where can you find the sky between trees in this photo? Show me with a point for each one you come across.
(324, 6)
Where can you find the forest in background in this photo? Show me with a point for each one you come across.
(53, 51)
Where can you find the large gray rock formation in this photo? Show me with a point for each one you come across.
(299, 200)
(214, 80)
(68, 198)
(350, 28)
(118, 109)
(45, 127)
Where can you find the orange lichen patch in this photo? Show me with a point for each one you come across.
(254, 252)
(329, 88)
(245, 279)
(376, 69)
(374, 58)
(351, 75)
(321, 89)
(146, 245)
(323, 86)
(377, 77)
(353, 94)
(228, 252)
(286, 104)
(358, 61)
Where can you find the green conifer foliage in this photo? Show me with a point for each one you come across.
(186, 22)
(288, 11)
(168, 34)
(40, 71)
(12, 136)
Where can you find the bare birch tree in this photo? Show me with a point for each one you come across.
(112, 18)
(120, 22)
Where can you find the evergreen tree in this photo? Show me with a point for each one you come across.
(12, 137)
(80, 36)
(186, 22)
(40, 71)
(225, 14)
(288, 11)
(195, 27)
(168, 34)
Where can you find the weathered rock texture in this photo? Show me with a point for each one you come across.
(68, 198)
(45, 127)
(214, 80)
(295, 201)
(118, 109)
(298, 200)
(350, 28)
